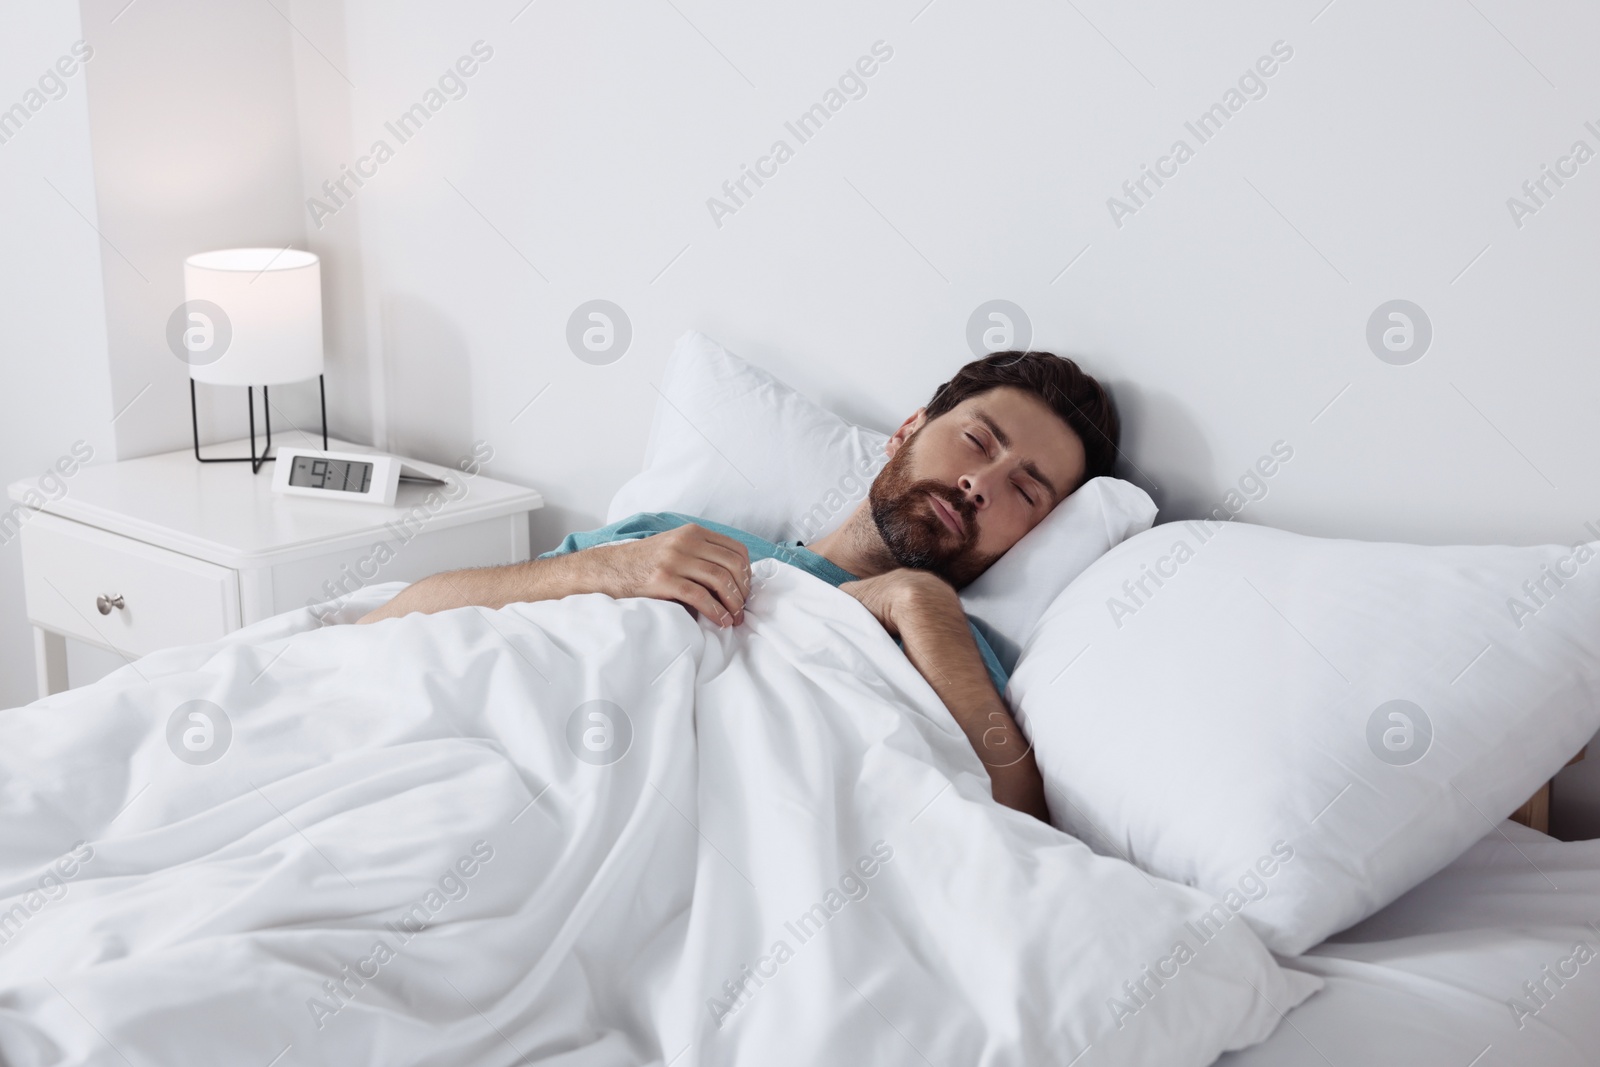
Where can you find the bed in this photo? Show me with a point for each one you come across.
(595, 831)
(596, 901)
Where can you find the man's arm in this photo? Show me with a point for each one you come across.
(704, 571)
(925, 612)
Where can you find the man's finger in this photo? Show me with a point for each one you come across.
(731, 555)
(720, 583)
(692, 594)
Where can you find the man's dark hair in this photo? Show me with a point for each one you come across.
(1083, 403)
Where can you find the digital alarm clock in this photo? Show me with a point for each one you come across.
(363, 477)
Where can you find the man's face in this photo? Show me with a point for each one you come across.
(961, 489)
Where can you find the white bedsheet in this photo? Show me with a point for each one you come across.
(1440, 977)
(401, 858)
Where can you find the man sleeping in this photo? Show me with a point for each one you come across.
(999, 445)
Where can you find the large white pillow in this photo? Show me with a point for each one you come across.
(1218, 704)
(731, 443)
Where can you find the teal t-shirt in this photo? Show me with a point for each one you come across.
(791, 552)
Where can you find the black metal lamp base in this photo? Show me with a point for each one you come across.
(256, 462)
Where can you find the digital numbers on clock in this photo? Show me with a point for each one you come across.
(317, 472)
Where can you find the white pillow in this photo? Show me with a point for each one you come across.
(731, 443)
(1212, 701)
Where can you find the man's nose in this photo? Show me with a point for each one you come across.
(977, 495)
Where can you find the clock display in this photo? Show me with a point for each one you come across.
(346, 476)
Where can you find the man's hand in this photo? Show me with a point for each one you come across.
(924, 612)
(898, 589)
(706, 572)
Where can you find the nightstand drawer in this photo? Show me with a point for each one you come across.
(167, 598)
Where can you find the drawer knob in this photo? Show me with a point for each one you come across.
(106, 603)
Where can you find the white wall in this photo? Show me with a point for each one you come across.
(54, 355)
(1228, 311)
(196, 142)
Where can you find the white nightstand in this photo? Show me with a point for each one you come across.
(162, 551)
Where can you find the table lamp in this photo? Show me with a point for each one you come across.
(252, 316)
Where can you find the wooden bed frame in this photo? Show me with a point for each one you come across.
(1536, 812)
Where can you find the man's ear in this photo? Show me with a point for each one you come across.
(913, 423)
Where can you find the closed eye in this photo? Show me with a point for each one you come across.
(979, 445)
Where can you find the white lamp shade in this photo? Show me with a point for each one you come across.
(269, 330)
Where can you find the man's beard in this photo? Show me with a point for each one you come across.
(914, 533)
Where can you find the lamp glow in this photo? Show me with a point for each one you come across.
(272, 301)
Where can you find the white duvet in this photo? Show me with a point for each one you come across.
(584, 832)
